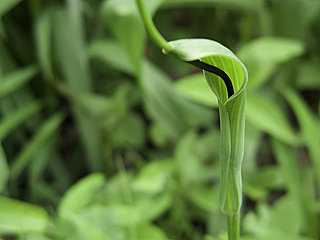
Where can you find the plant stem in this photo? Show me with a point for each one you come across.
(234, 226)
(151, 28)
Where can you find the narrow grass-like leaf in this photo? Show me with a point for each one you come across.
(4, 169)
(15, 80)
(46, 131)
(71, 52)
(14, 119)
(308, 125)
(43, 37)
(19, 217)
(231, 108)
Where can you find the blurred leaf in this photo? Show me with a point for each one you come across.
(14, 119)
(43, 37)
(112, 54)
(123, 19)
(71, 53)
(130, 131)
(291, 18)
(308, 125)
(196, 89)
(290, 170)
(19, 217)
(233, 4)
(46, 130)
(275, 222)
(190, 159)
(149, 231)
(81, 194)
(308, 76)
(259, 183)
(173, 113)
(17, 79)
(206, 198)
(7, 5)
(4, 170)
(153, 177)
(267, 115)
(261, 57)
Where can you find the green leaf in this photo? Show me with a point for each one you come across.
(232, 4)
(17, 79)
(71, 55)
(43, 37)
(290, 170)
(262, 56)
(153, 177)
(111, 53)
(81, 194)
(14, 119)
(43, 134)
(123, 19)
(268, 116)
(308, 125)
(232, 111)
(308, 75)
(4, 169)
(7, 5)
(171, 111)
(194, 88)
(19, 217)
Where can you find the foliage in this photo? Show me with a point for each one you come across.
(103, 137)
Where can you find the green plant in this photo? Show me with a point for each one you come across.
(227, 78)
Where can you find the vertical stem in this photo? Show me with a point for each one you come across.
(151, 28)
(234, 226)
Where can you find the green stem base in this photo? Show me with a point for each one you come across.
(234, 226)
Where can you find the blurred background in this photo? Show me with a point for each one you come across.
(105, 138)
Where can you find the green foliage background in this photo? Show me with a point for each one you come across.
(104, 138)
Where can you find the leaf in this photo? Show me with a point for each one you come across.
(153, 177)
(172, 112)
(267, 115)
(194, 88)
(19, 217)
(81, 194)
(111, 53)
(4, 170)
(232, 111)
(14, 119)
(308, 75)
(308, 125)
(123, 20)
(43, 134)
(290, 170)
(7, 5)
(232, 4)
(17, 79)
(262, 56)
(71, 56)
(43, 36)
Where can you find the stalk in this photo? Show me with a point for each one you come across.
(151, 28)
(234, 226)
